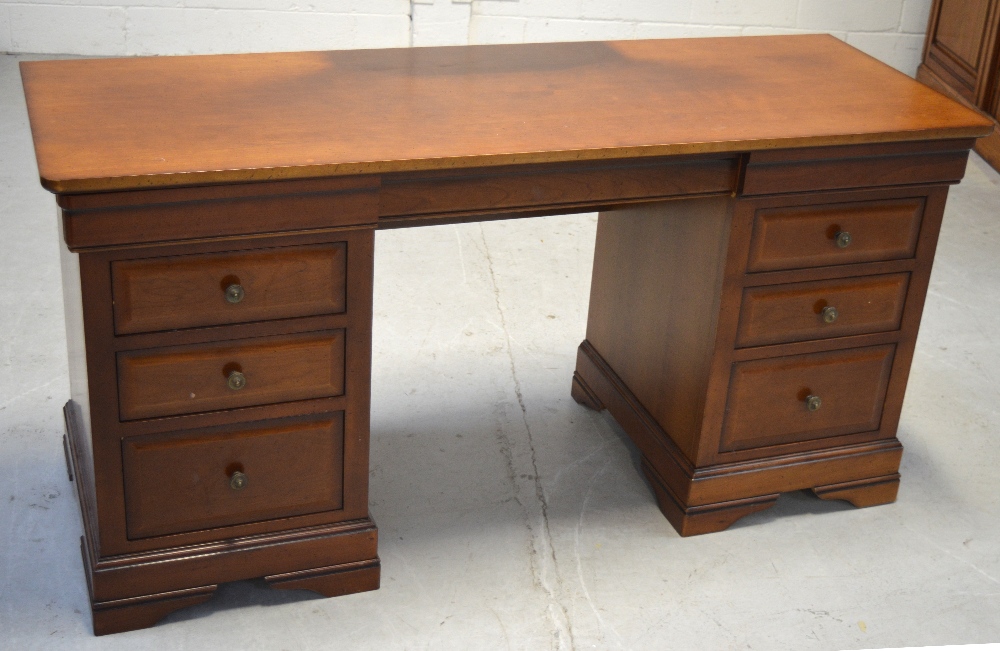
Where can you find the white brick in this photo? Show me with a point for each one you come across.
(776, 13)
(54, 29)
(391, 7)
(97, 3)
(159, 30)
(850, 15)
(206, 31)
(901, 51)
(529, 8)
(442, 23)
(5, 30)
(666, 30)
(770, 31)
(915, 16)
(309, 6)
(538, 30)
(381, 31)
(637, 10)
(496, 29)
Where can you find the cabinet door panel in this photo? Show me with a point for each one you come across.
(958, 48)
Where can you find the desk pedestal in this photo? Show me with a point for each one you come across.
(760, 343)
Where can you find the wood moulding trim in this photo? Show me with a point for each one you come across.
(82, 474)
(236, 176)
(856, 167)
(119, 615)
(98, 221)
(831, 272)
(230, 331)
(579, 184)
(463, 217)
(197, 193)
(333, 581)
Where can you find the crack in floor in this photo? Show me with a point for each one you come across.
(557, 612)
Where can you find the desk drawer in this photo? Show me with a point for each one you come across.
(769, 398)
(190, 379)
(188, 481)
(817, 310)
(797, 237)
(189, 291)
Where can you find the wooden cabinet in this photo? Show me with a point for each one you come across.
(962, 59)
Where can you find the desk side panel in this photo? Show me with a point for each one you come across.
(79, 447)
(654, 305)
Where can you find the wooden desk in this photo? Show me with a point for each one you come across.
(770, 208)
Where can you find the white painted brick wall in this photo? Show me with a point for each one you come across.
(891, 30)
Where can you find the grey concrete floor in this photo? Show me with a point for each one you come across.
(510, 516)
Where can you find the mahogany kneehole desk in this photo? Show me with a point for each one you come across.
(769, 212)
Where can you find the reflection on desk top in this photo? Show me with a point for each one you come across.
(107, 124)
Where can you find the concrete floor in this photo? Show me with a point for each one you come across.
(510, 516)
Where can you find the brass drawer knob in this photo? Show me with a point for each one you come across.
(813, 402)
(829, 314)
(238, 481)
(235, 293)
(843, 239)
(236, 381)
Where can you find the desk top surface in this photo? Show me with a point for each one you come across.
(107, 124)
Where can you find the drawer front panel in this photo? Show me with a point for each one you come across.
(191, 379)
(769, 398)
(189, 291)
(807, 236)
(817, 310)
(767, 174)
(184, 482)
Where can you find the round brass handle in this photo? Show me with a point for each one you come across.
(238, 481)
(813, 402)
(843, 239)
(829, 314)
(236, 381)
(235, 293)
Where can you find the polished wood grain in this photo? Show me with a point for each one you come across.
(104, 430)
(181, 482)
(805, 236)
(153, 216)
(719, 168)
(767, 397)
(331, 581)
(740, 451)
(862, 493)
(137, 590)
(960, 42)
(189, 291)
(255, 117)
(705, 499)
(795, 312)
(856, 166)
(129, 614)
(657, 333)
(190, 379)
(406, 198)
(960, 29)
